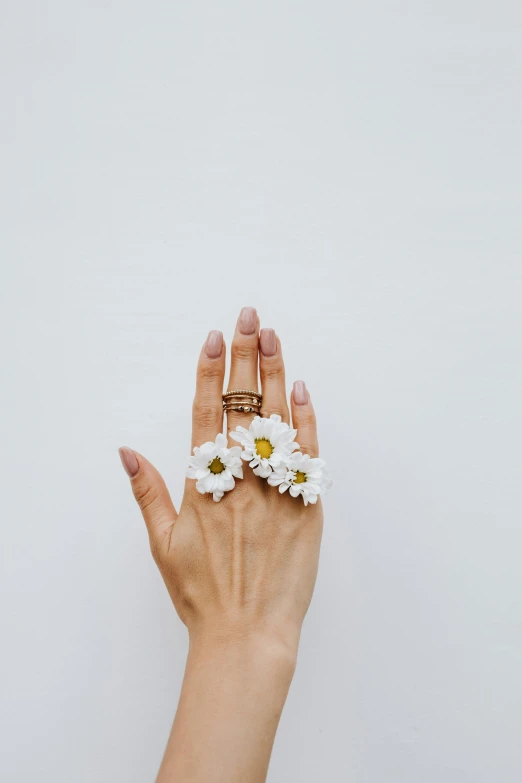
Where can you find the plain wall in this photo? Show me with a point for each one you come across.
(353, 170)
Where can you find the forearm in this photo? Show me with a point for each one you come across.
(232, 697)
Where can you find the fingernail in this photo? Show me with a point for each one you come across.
(300, 393)
(214, 344)
(129, 461)
(267, 341)
(247, 320)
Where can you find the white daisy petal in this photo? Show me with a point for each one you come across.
(209, 482)
(279, 459)
(199, 460)
(201, 487)
(262, 472)
(303, 475)
(268, 429)
(215, 467)
(208, 448)
(326, 485)
(315, 488)
(221, 441)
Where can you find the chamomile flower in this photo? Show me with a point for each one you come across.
(302, 475)
(214, 467)
(266, 443)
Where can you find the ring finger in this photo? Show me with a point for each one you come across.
(272, 375)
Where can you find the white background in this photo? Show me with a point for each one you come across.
(353, 170)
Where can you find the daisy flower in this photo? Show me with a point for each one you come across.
(266, 443)
(214, 467)
(302, 475)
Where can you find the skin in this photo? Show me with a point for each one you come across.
(240, 573)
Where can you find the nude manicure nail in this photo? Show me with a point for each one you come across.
(214, 344)
(300, 393)
(267, 342)
(129, 461)
(247, 320)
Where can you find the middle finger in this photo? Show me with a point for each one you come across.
(244, 362)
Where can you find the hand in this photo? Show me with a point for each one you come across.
(245, 565)
(241, 571)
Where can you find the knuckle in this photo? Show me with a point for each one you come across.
(146, 496)
(276, 407)
(305, 419)
(272, 371)
(205, 413)
(308, 447)
(242, 352)
(210, 371)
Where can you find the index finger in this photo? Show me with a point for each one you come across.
(207, 409)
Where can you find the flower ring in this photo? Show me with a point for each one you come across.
(302, 475)
(214, 467)
(266, 443)
(271, 451)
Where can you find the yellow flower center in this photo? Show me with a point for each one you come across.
(300, 477)
(216, 466)
(264, 448)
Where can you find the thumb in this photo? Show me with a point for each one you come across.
(151, 495)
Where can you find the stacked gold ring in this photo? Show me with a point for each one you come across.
(242, 401)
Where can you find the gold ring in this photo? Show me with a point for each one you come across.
(246, 392)
(242, 401)
(242, 408)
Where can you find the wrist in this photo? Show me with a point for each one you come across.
(266, 650)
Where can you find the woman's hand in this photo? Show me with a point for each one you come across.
(240, 572)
